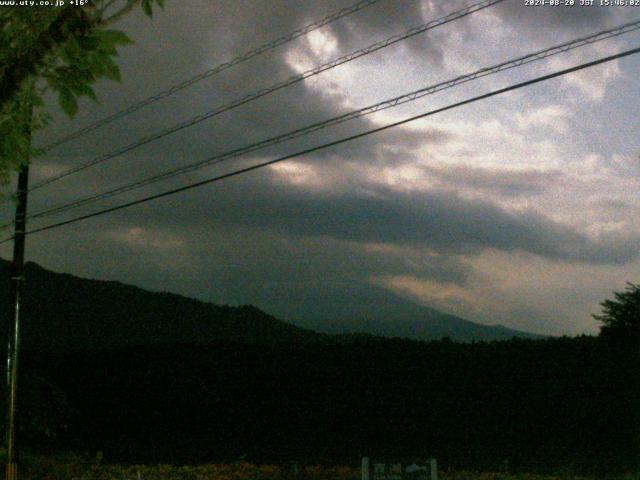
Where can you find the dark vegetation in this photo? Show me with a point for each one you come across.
(539, 404)
(290, 395)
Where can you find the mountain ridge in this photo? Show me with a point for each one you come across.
(62, 311)
(66, 312)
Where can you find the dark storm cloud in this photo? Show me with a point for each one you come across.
(438, 220)
(257, 22)
(390, 18)
(272, 266)
(275, 114)
(286, 275)
(510, 183)
(258, 239)
(204, 38)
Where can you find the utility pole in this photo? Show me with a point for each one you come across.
(17, 283)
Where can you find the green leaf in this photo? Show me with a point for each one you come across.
(86, 90)
(109, 38)
(146, 7)
(103, 56)
(64, 73)
(76, 88)
(71, 50)
(88, 43)
(86, 75)
(112, 71)
(160, 3)
(68, 101)
(107, 50)
(91, 94)
(52, 81)
(98, 69)
(64, 54)
(4, 38)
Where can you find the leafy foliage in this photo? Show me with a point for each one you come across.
(621, 317)
(542, 405)
(15, 139)
(65, 49)
(44, 412)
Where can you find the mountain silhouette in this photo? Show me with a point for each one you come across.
(382, 313)
(65, 312)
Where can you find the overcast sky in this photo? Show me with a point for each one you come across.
(522, 210)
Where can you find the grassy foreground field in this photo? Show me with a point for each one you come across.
(75, 469)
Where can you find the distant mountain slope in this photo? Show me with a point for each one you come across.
(386, 314)
(66, 312)
(424, 326)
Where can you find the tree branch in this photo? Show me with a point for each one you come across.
(123, 11)
(70, 21)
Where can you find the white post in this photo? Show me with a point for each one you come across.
(365, 468)
(433, 464)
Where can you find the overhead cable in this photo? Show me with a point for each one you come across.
(275, 87)
(213, 71)
(393, 102)
(334, 143)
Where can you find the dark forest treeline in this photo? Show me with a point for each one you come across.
(540, 404)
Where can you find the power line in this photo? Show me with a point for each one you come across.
(336, 142)
(278, 86)
(399, 100)
(213, 71)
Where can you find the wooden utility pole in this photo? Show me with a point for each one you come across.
(16, 290)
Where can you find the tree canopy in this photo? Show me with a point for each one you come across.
(621, 316)
(65, 49)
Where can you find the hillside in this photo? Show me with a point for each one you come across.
(383, 313)
(66, 312)
(177, 380)
(422, 323)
